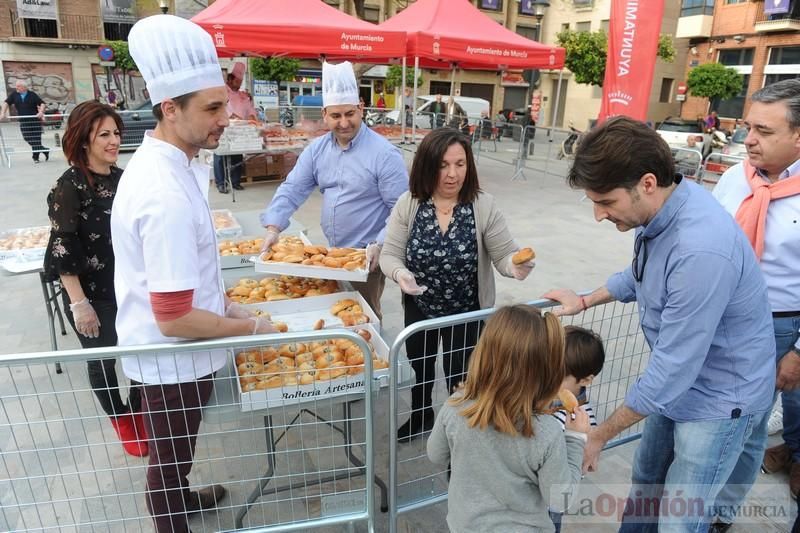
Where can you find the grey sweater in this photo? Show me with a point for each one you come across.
(503, 483)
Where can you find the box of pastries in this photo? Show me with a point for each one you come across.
(296, 256)
(336, 310)
(24, 244)
(298, 372)
(257, 288)
(225, 224)
(238, 252)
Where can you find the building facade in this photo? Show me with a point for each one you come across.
(53, 46)
(761, 45)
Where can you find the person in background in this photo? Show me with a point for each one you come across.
(707, 387)
(240, 106)
(381, 104)
(510, 460)
(438, 111)
(359, 173)
(584, 357)
(408, 103)
(167, 278)
(763, 194)
(30, 109)
(80, 256)
(446, 234)
(529, 132)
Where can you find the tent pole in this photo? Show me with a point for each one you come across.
(414, 113)
(403, 104)
(558, 99)
(452, 79)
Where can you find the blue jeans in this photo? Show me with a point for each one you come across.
(235, 163)
(684, 463)
(745, 473)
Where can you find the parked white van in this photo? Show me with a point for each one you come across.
(473, 107)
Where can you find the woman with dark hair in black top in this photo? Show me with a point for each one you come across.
(80, 255)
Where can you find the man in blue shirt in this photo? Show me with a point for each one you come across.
(704, 311)
(30, 110)
(359, 173)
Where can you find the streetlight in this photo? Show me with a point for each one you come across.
(164, 5)
(539, 9)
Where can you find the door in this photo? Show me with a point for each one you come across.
(515, 98)
(478, 90)
(440, 87)
(557, 119)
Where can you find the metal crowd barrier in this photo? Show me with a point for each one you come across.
(715, 166)
(688, 162)
(297, 465)
(415, 482)
(26, 135)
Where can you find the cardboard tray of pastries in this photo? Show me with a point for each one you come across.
(337, 310)
(237, 252)
(296, 256)
(24, 244)
(255, 288)
(225, 224)
(295, 373)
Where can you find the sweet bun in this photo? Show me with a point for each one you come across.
(523, 256)
(319, 324)
(306, 378)
(568, 400)
(271, 382)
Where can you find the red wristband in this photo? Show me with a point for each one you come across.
(584, 307)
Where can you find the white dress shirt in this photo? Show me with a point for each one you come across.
(780, 262)
(164, 241)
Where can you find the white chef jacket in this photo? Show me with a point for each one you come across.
(164, 241)
(780, 262)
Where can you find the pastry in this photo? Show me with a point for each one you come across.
(523, 256)
(568, 400)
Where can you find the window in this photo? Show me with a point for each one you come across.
(736, 56)
(769, 79)
(41, 28)
(583, 26)
(735, 1)
(697, 7)
(116, 31)
(493, 5)
(789, 55)
(734, 107)
(527, 32)
(604, 25)
(565, 26)
(666, 90)
(372, 14)
(526, 7)
(583, 3)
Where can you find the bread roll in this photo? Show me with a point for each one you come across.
(319, 324)
(523, 256)
(340, 252)
(306, 378)
(305, 357)
(271, 382)
(568, 400)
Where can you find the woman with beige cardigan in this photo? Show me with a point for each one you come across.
(441, 241)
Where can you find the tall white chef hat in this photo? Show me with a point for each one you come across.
(339, 84)
(175, 57)
(238, 70)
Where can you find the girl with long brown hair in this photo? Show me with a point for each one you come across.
(509, 457)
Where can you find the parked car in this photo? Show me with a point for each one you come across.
(473, 107)
(736, 145)
(681, 133)
(135, 122)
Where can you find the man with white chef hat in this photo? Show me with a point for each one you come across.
(359, 173)
(240, 107)
(167, 281)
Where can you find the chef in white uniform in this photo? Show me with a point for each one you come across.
(167, 281)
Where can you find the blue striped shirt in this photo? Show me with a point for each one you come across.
(704, 311)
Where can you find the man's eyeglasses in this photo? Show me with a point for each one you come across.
(639, 257)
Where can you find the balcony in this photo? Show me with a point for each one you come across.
(777, 23)
(694, 26)
(77, 29)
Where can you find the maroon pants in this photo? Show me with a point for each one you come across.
(173, 414)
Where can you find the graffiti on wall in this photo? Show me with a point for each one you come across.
(51, 81)
(128, 88)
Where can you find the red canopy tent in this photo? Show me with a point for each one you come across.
(442, 32)
(296, 28)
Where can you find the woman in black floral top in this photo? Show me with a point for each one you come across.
(442, 239)
(80, 256)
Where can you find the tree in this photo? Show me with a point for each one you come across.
(587, 51)
(714, 81)
(274, 68)
(394, 75)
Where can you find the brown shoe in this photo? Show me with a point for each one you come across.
(777, 459)
(794, 479)
(206, 498)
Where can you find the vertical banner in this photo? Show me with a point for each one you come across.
(633, 34)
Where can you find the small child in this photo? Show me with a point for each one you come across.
(584, 357)
(506, 451)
